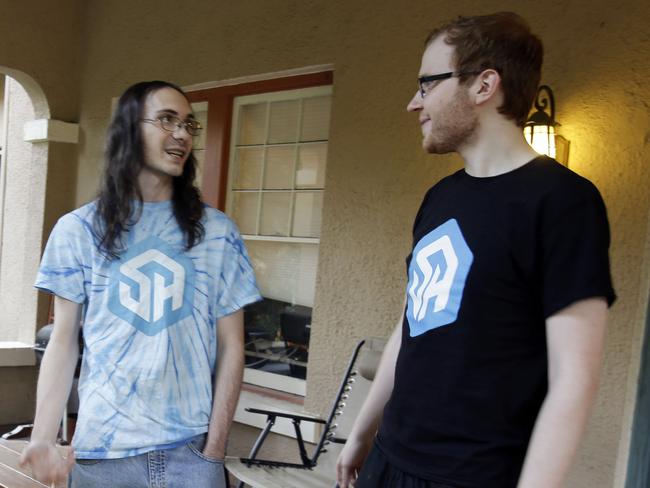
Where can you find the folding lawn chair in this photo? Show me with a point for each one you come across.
(319, 470)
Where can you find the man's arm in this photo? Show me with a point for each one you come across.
(365, 426)
(54, 383)
(230, 370)
(575, 338)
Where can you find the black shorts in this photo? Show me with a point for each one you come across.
(377, 472)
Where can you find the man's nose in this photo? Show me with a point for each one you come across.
(181, 133)
(415, 104)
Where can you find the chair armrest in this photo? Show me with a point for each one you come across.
(337, 440)
(286, 415)
(271, 416)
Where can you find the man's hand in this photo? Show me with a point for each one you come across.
(48, 463)
(214, 453)
(350, 461)
(363, 432)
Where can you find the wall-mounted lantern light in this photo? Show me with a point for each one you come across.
(540, 128)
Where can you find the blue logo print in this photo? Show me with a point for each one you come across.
(439, 266)
(152, 286)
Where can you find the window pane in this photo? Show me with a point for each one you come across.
(311, 166)
(244, 211)
(275, 266)
(275, 214)
(200, 110)
(278, 174)
(286, 276)
(199, 154)
(252, 124)
(283, 122)
(307, 214)
(316, 119)
(277, 342)
(248, 168)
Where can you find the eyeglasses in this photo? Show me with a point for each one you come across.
(429, 82)
(170, 123)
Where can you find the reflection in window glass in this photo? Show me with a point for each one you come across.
(311, 166)
(277, 329)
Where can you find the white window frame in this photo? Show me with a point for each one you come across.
(3, 163)
(253, 376)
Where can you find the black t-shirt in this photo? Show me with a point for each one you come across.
(492, 259)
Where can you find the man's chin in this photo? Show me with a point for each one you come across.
(432, 148)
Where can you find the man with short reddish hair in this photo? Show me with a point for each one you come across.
(488, 378)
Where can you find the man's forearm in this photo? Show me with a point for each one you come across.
(556, 436)
(370, 413)
(56, 371)
(54, 384)
(360, 440)
(575, 338)
(228, 381)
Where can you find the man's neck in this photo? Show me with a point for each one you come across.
(154, 186)
(498, 147)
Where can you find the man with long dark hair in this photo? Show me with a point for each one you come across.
(158, 280)
(488, 378)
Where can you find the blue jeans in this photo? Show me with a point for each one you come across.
(181, 467)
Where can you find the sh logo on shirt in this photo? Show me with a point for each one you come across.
(151, 286)
(439, 266)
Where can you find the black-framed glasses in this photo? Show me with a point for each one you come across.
(429, 82)
(170, 123)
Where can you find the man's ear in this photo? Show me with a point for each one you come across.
(487, 86)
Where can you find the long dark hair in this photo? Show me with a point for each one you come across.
(119, 202)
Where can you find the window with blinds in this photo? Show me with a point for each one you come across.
(275, 195)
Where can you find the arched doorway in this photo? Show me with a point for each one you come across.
(23, 177)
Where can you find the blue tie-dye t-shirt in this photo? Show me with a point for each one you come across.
(149, 326)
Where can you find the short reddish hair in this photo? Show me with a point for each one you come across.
(503, 42)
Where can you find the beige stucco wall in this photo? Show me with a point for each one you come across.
(2, 104)
(596, 61)
(40, 45)
(42, 40)
(377, 174)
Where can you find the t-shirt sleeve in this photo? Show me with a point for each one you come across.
(238, 285)
(62, 270)
(575, 248)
